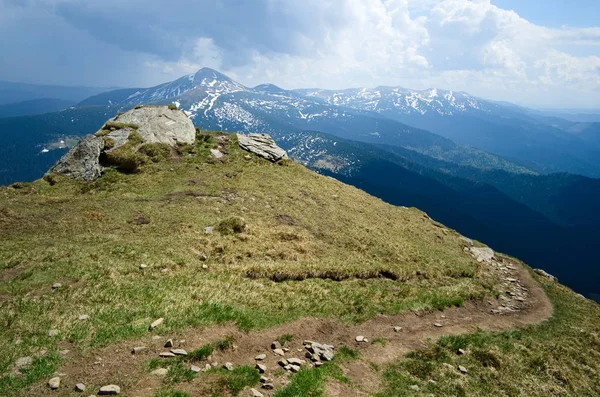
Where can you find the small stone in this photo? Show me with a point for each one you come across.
(294, 368)
(216, 153)
(156, 323)
(80, 387)
(169, 343)
(318, 363)
(228, 366)
(397, 329)
(276, 345)
(54, 383)
(166, 354)
(283, 362)
(438, 325)
(279, 352)
(261, 368)
(83, 317)
(160, 372)
(296, 361)
(462, 369)
(143, 266)
(432, 382)
(460, 352)
(247, 157)
(18, 341)
(52, 333)
(23, 362)
(260, 357)
(109, 390)
(64, 352)
(359, 338)
(264, 379)
(327, 355)
(208, 366)
(164, 271)
(56, 285)
(415, 387)
(179, 352)
(209, 229)
(268, 386)
(256, 393)
(195, 369)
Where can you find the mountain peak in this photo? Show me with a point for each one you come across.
(208, 74)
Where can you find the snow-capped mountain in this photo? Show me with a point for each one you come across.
(384, 115)
(386, 99)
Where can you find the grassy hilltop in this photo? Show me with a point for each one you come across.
(239, 245)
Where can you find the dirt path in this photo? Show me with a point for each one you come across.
(524, 303)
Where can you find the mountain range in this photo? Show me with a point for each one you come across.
(519, 180)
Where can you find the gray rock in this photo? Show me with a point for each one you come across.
(228, 366)
(23, 362)
(56, 285)
(295, 361)
(160, 372)
(195, 368)
(460, 352)
(294, 368)
(52, 333)
(159, 124)
(484, 254)
(397, 329)
(84, 317)
(261, 368)
(415, 387)
(546, 274)
(166, 354)
(264, 379)
(80, 387)
(279, 352)
(438, 325)
(283, 362)
(276, 345)
(179, 352)
(54, 383)
(209, 229)
(262, 145)
(138, 349)
(109, 390)
(462, 369)
(143, 266)
(156, 323)
(268, 386)
(360, 338)
(216, 154)
(255, 393)
(169, 343)
(83, 160)
(260, 357)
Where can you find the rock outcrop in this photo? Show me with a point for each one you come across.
(262, 145)
(147, 124)
(83, 160)
(484, 254)
(159, 124)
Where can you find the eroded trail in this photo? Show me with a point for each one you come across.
(523, 303)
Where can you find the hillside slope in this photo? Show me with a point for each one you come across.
(237, 244)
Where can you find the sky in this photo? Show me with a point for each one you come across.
(541, 53)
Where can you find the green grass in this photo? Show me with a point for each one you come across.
(560, 357)
(170, 393)
(283, 339)
(329, 256)
(238, 379)
(381, 341)
(205, 351)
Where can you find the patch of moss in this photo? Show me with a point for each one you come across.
(126, 158)
(172, 106)
(157, 152)
(232, 225)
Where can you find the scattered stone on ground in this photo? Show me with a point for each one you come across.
(83, 317)
(484, 254)
(415, 387)
(228, 366)
(216, 153)
(109, 390)
(166, 354)
(52, 333)
(195, 368)
(279, 352)
(160, 372)
(80, 387)
(264, 379)
(256, 393)
(320, 351)
(209, 229)
(179, 352)
(156, 323)
(143, 266)
(138, 349)
(462, 369)
(204, 266)
(54, 383)
(295, 361)
(360, 338)
(268, 386)
(437, 325)
(260, 357)
(397, 329)
(294, 368)
(467, 240)
(56, 285)
(546, 274)
(261, 368)
(276, 345)
(460, 352)
(262, 145)
(169, 343)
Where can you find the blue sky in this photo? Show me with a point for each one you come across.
(531, 52)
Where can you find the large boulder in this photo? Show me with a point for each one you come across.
(262, 145)
(146, 124)
(159, 124)
(483, 254)
(83, 160)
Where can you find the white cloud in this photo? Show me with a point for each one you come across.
(469, 45)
